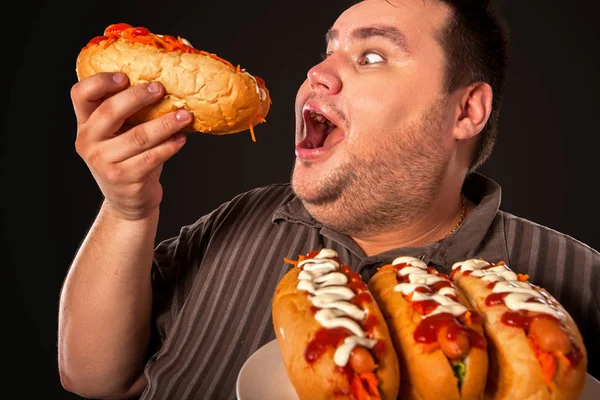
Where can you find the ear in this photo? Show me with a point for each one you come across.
(473, 110)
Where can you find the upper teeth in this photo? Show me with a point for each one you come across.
(320, 118)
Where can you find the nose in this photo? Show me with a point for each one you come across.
(323, 77)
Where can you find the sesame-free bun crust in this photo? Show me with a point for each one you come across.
(515, 372)
(426, 375)
(295, 326)
(221, 99)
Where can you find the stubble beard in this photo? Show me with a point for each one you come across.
(376, 193)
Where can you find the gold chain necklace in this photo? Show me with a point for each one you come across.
(462, 215)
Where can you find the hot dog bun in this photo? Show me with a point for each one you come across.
(316, 307)
(223, 99)
(536, 350)
(437, 336)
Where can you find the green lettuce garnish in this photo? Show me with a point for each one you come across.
(459, 368)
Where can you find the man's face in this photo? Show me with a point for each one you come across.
(373, 131)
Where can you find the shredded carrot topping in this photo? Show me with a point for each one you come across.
(546, 360)
(364, 386)
(294, 262)
(252, 131)
(142, 35)
(562, 358)
(469, 318)
(523, 277)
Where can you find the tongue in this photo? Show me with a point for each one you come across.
(334, 136)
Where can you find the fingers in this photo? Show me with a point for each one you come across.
(110, 115)
(89, 93)
(140, 166)
(144, 137)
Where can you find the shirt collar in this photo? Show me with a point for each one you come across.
(469, 240)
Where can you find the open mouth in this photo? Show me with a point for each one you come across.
(318, 128)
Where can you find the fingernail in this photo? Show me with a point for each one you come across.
(179, 138)
(182, 115)
(119, 77)
(154, 87)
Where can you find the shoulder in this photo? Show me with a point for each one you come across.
(531, 231)
(523, 233)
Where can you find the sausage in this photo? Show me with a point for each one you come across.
(455, 348)
(550, 334)
(361, 360)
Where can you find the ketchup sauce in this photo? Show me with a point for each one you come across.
(322, 340)
(491, 285)
(442, 284)
(427, 330)
(495, 299)
(456, 271)
(361, 299)
(425, 307)
(575, 355)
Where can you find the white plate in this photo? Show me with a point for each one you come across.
(263, 377)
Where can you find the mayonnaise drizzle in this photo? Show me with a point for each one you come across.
(320, 277)
(418, 276)
(508, 282)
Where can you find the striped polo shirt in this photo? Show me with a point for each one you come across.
(213, 283)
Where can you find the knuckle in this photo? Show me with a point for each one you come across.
(93, 158)
(139, 138)
(80, 146)
(114, 174)
(106, 111)
(150, 157)
(75, 90)
(168, 123)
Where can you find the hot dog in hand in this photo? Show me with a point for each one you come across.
(438, 338)
(222, 98)
(332, 336)
(536, 350)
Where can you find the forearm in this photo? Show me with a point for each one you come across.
(105, 306)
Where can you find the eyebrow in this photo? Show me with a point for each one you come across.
(387, 32)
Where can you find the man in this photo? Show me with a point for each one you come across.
(412, 91)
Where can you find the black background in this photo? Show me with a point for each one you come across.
(546, 157)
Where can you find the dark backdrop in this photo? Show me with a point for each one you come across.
(546, 157)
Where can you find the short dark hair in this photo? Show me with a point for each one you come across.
(476, 44)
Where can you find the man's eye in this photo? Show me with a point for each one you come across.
(370, 58)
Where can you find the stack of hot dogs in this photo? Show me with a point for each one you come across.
(483, 332)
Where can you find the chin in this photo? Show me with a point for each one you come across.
(305, 187)
(318, 189)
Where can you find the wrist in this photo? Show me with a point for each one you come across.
(129, 216)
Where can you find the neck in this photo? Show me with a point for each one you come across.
(442, 219)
